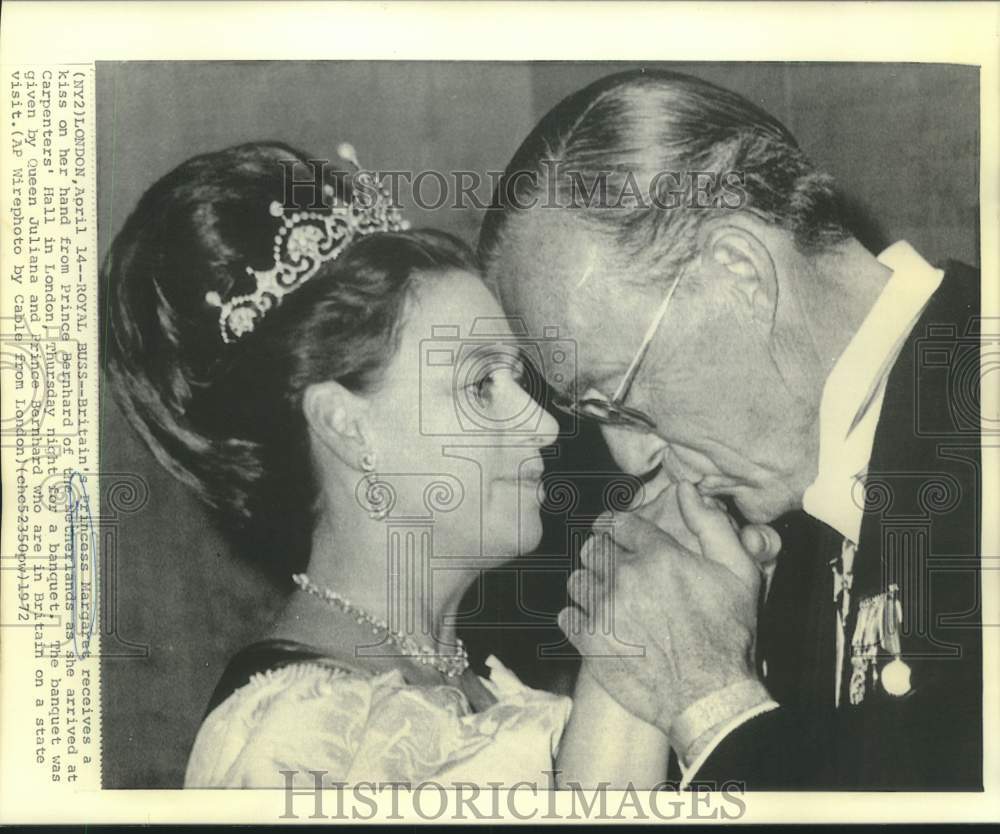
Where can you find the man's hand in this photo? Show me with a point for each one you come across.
(761, 541)
(661, 625)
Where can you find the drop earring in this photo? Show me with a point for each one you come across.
(374, 491)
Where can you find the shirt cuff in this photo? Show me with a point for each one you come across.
(689, 772)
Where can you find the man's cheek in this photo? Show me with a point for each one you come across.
(636, 453)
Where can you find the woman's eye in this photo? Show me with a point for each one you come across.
(482, 388)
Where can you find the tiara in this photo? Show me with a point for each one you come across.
(305, 241)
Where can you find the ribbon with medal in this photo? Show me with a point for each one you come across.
(877, 634)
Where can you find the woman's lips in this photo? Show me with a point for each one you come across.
(529, 478)
(532, 472)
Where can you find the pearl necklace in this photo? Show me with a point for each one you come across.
(451, 665)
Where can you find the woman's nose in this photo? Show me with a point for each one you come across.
(548, 428)
(542, 426)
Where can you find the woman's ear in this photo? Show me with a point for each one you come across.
(338, 419)
(738, 256)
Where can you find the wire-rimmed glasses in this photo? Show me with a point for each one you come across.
(614, 412)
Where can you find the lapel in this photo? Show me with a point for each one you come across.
(910, 480)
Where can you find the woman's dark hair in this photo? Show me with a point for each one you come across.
(658, 134)
(226, 419)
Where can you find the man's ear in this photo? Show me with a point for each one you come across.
(338, 418)
(740, 257)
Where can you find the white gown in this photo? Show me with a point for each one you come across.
(308, 717)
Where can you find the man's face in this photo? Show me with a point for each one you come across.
(723, 416)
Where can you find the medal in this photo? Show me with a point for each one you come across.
(896, 674)
(896, 678)
(876, 631)
(864, 646)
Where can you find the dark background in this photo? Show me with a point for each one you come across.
(901, 139)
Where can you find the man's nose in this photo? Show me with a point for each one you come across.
(636, 452)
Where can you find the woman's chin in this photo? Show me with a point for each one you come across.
(512, 540)
(514, 525)
(529, 536)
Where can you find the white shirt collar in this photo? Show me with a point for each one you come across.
(854, 391)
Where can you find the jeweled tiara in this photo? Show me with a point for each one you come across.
(305, 241)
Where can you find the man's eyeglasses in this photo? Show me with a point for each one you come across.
(614, 412)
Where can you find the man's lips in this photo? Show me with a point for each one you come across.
(659, 479)
(716, 485)
(680, 468)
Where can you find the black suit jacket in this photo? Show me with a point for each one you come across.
(921, 532)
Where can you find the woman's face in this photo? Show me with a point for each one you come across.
(456, 436)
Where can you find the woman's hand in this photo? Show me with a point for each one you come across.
(606, 745)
